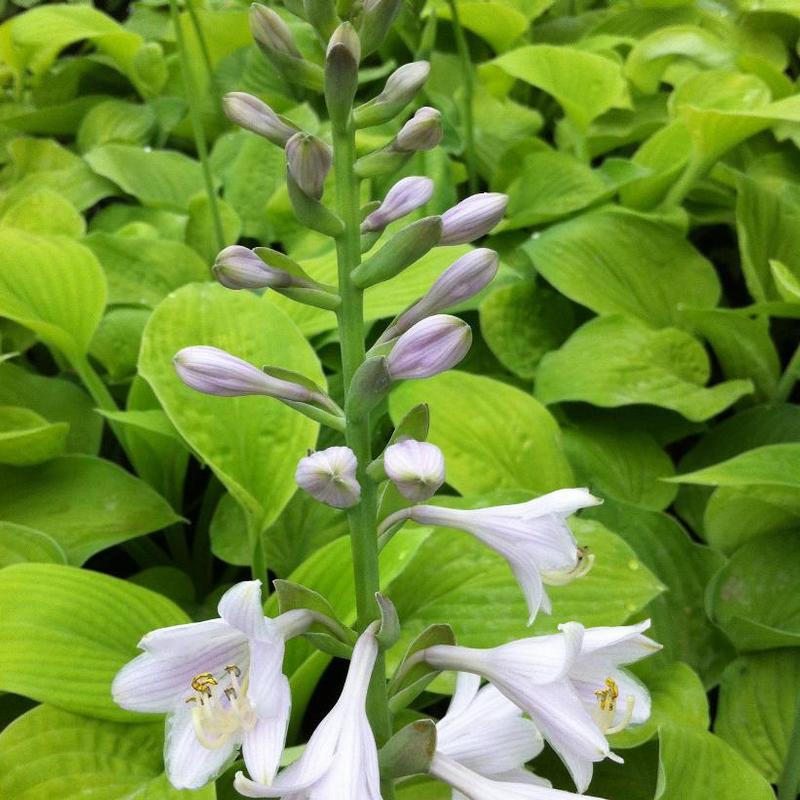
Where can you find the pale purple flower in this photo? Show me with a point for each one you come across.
(533, 537)
(213, 371)
(534, 675)
(435, 344)
(341, 758)
(271, 32)
(222, 686)
(415, 468)
(422, 132)
(464, 278)
(309, 160)
(330, 477)
(254, 115)
(473, 217)
(404, 197)
(239, 267)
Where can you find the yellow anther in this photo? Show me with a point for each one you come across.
(203, 682)
(607, 697)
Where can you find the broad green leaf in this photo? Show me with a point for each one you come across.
(67, 631)
(28, 438)
(116, 342)
(584, 84)
(157, 178)
(30, 269)
(252, 443)
(678, 697)
(599, 260)
(754, 597)
(142, 270)
(748, 430)
(742, 345)
(201, 231)
(19, 544)
(116, 121)
(773, 465)
(757, 707)
(496, 22)
(86, 504)
(625, 465)
(49, 753)
(455, 578)
(616, 361)
(694, 765)
(46, 212)
(549, 186)
(522, 322)
(680, 623)
(786, 282)
(57, 401)
(493, 435)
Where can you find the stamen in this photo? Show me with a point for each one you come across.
(582, 567)
(203, 682)
(233, 669)
(630, 701)
(230, 693)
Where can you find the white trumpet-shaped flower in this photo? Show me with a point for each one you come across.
(473, 786)
(222, 686)
(341, 757)
(485, 732)
(533, 537)
(534, 674)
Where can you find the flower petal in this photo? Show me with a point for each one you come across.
(467, 687)
(622, 644)
(241, 608)
(263, 745)
(190, 765)
(178, 640)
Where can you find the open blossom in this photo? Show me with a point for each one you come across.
(221, 684)
(486, 733)
(533, 537)
(330, 476)
(341, 757)
(574, 691)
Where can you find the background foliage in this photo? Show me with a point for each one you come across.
(639, 340)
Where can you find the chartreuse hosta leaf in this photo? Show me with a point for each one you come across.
(57, 401)
(627, 465)
(618, 361)
(30, 269)
(757, 707)
(597, 259)
(49, 753)
(680, 622)
(19, 544)
(86, 504)
(499, 23)
(455, 578)
(493, 435)
(754, 597)
(27, 438)
(696, 765)
(583, 83)
(252, 443)
(67, 631)
(44, 212)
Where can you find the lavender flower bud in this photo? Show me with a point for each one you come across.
(460, 281)
(422, 132)
(271, 33)
(237, 267)
(330, 477)
(253, 115)
(341, 72)
(400, 89)
(213, 371)
(433, 345)
(309, 161)
(415, 468)
(472, 218)
(405, 196)
(377, 18)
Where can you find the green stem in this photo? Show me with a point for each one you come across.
(469, 94)
(790, 777)
(201, 41)
(197, 125)
(788, 379)
(693, 170)
(362, 517)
